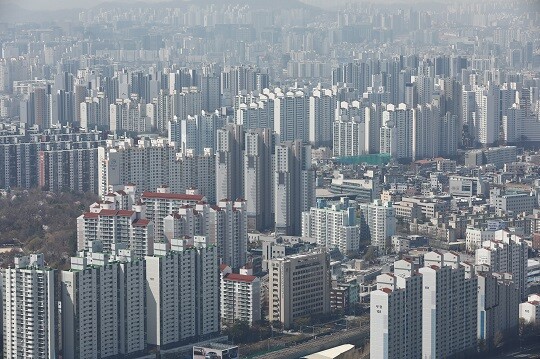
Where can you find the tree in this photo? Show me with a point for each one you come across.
(498, 339)
(302, 321)
(371, 254)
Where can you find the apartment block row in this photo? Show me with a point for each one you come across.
(446, 306)
(112, 303)
(140, 222)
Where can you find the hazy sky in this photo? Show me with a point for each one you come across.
(66, 4)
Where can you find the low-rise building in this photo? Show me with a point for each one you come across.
(530, 310)
(240, 298)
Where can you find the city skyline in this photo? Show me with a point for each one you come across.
(261, 179)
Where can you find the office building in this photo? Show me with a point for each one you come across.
(299, 285)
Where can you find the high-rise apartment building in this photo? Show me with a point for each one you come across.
(162, 203)
(23, 166)
(103, 304)
(333, 225)
(147, 164)
(498, 305)
(425, 132)
(229, 163)
(294, 186)
(258, 189)
(379, 222)
(425, 313)
(397, 131)
(196, 133)
(112, 226)
(129, 115)
(322, 107)
(291, 115)
(396, 313)
(198, 172)
(299, 285)
(29, 309)
(507, 253)
(449, 297)
(349, 130)
(68, 170)
(182, 292)
(225, 225)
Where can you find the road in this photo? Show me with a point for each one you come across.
(317, 344)
(529, 351)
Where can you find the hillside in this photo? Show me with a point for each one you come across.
(37, 221)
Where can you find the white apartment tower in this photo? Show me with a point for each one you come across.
(198, 172)
(426, 132)
(299, 285)
(498, 305)
(373, 123)
(161, 203)
(379, 220)
(103, 304)
(112, 226)
(396, 314)
(182, 289)
(449, 299)
(507, 253)
(225, 225)
(147, 164)
(28, 309)
(396, 134)
(322, 107)
(291, 115)
(333, 225)
(294, 186)
(349, 130)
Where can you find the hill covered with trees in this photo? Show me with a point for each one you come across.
(34, 221)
